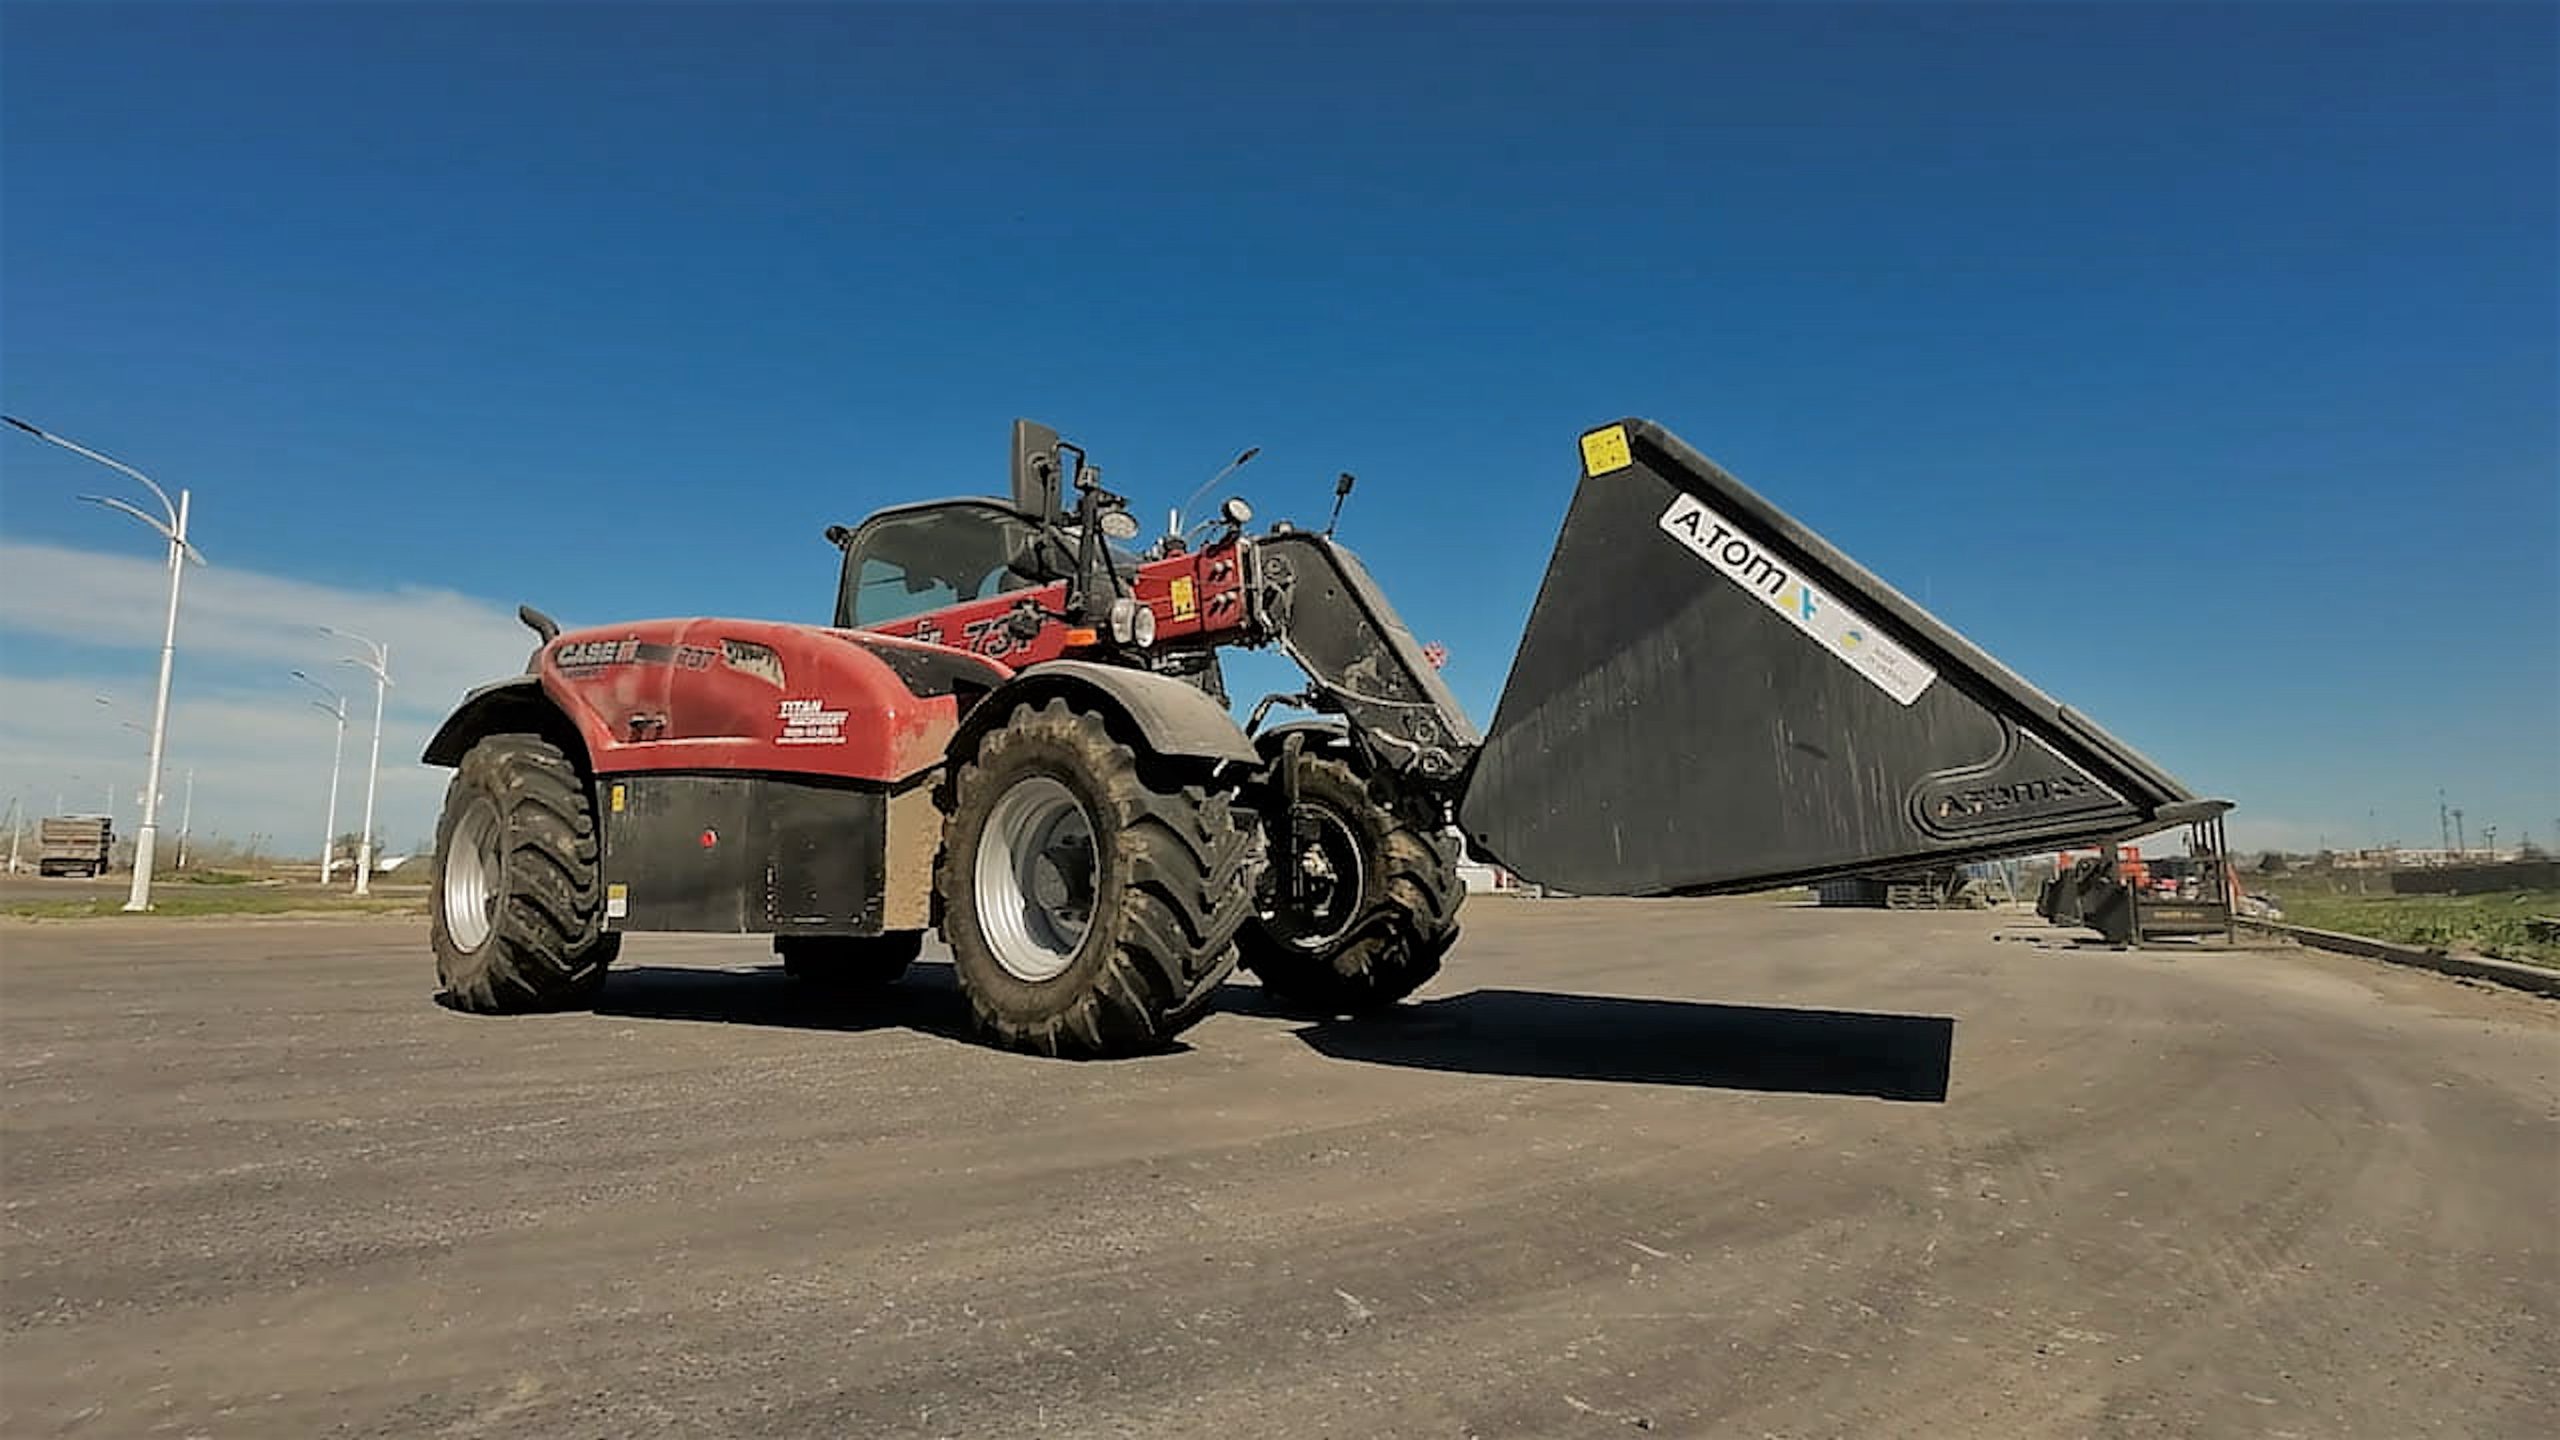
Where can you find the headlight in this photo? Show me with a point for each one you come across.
(1132, 623)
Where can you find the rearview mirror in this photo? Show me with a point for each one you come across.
(1034, 461)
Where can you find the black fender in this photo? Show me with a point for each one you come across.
(1172, 716)
(1321, 735)
(1330, 735)
(514, 706)
(1327, 735)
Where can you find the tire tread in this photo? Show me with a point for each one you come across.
(548, 949)
(1395, 946)
(1186, 855)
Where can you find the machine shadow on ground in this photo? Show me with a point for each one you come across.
(927, 1000)
(1523, 1033)
(1538, 1035)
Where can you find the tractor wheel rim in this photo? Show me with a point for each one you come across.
(1329, 907)
(1037, 876)
(470, 897)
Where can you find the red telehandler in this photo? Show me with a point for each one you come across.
(1016, 732)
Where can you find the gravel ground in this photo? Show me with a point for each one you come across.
(1699, 1168)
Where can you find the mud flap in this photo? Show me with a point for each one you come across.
(1711, 698)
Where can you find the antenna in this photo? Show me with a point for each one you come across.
(1341, 491)
(1232, 467)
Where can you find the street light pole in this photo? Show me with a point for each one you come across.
(187, 818)
(173, 529)
(111, 789)
(338, 710)
(380, 666)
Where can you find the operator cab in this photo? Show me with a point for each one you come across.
(911, 559)
(915, 558)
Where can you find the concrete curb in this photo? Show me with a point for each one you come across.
(2476, 967)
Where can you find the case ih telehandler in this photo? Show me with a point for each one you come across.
(1016, 732)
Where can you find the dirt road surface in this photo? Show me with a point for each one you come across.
(1704, 1168)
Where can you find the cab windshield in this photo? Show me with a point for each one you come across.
(903, 565)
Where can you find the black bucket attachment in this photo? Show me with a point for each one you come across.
(1711, 698)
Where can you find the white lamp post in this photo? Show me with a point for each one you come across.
(379, 664)
(111, 790)
(187, 818)
(337, 708)
(172, 528)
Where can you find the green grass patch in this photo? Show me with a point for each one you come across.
(2482, 924)
(167, 901)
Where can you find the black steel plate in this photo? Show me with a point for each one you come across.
(1711, 697)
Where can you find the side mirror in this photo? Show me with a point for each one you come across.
(1034, 466)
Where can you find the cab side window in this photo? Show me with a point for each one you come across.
(907, 564)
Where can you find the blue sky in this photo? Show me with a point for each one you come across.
(2199, 361)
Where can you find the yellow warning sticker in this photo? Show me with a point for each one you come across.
(1606, 450)
(617, 902)
(1186, 598)
(617, 799)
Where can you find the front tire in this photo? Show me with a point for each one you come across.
(1090, 898)
(1379, 898)
(517, 911)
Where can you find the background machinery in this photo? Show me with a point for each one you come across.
(75, 845)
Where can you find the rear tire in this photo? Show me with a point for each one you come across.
(849, 963)
(1375, 930)
(1090, 898)
(516, 915)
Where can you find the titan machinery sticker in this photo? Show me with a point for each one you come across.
(1851, 638)
(810, 722)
